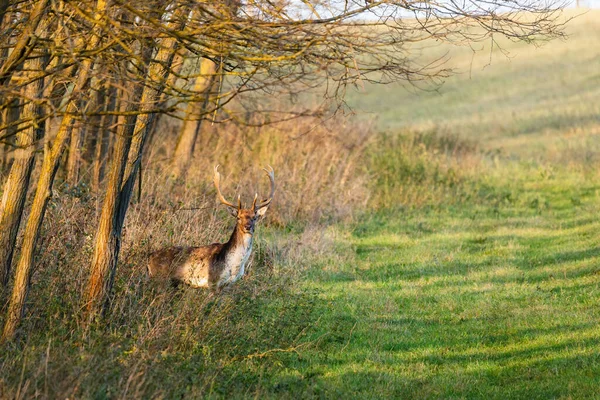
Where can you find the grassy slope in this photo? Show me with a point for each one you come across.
(477, 301)
(474, 302)
(529, 100)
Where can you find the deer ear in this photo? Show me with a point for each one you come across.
(232, 211)
(262, 211)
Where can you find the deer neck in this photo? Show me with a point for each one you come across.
(240, 238)
(237, 251)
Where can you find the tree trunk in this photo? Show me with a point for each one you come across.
(87, 131)
(75, 149)
(120, 186)
(4, 116)
(100, 150)
(99, 160)
(15, 189)
(34, 223)
(102, 138)
(3, 159)
(107, 245)
(184, 151)
(24, 45)
(10, 121)
(43, 192)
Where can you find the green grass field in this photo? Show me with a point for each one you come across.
(494, 297)
(471, 302)
(473, 273)
(523, 100)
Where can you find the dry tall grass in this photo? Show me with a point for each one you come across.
(320, 179)
(318, 167)
(324, 173)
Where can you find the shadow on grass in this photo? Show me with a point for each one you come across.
(540, 379)
(473, 249)
(424, 358)
(519, 320)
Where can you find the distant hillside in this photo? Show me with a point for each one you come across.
(535, 102)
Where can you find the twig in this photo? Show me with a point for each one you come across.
(349, 338)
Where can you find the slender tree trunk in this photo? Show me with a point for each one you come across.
(60, 95)
(10, 120)
(184, 151)
(12, 112)
(3, 159)
(176, 67)
(107, 246)
(4, 116)
(102, 138)
(43, 193)
(52, 156)
(15, 189)
(86, 132)
(120, 187)
(75, 149)
(24, 45)
(34, 223)
(99, 160)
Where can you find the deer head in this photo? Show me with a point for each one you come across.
(247, 217)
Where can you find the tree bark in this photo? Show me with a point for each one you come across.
(102, 138)
(43, 193)
(120, 186)
(75, 149)
(15, 189)
(4, 116)
(24, 45)
(107, 244)
(10, 120)
(184, 151)
(34, 223)
(3, 159)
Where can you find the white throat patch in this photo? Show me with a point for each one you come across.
(235, 262)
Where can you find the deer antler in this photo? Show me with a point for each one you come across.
(217, 180)
(271, 174)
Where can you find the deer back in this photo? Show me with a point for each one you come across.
(195, 266)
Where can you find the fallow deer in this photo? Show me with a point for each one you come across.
(219, 264)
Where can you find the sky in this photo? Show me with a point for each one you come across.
(303, 11)
(589, 3)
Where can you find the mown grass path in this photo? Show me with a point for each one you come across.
(498, 296)
(475, 302)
